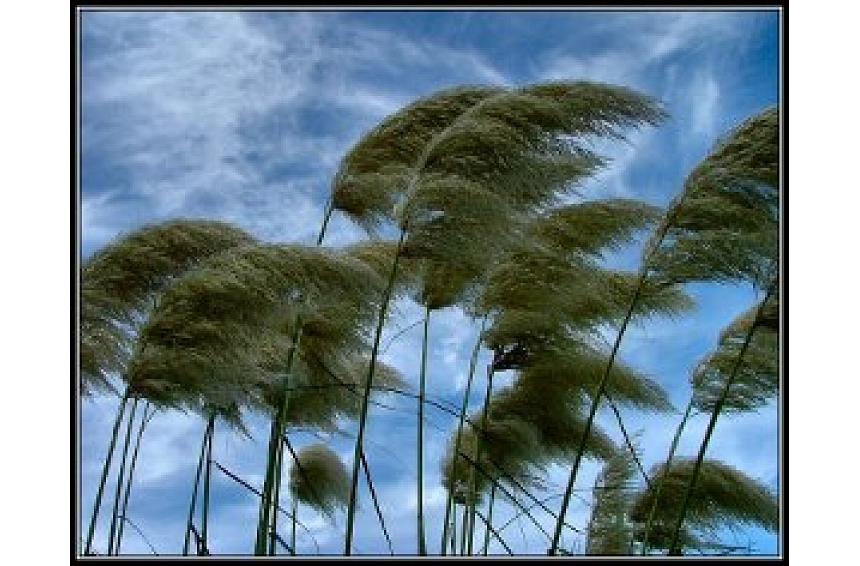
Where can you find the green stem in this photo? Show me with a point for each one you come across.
(293, 528)
(652, 513)
(121, 477)
(362, 420)
(105, 470)
(263, 519)
(595, 403)
(473, 364)
(204, 529)
(489, 520)
(453, 528)
(329, 209)
(375, 499)
(464, 527)
(276, 498)
(207, 431)
(627, 440)
(479, 446)
(137, 442)
(258, 493)
(422, 542)
(273, 467)
(715, 414)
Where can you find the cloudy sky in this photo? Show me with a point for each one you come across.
(243, 116)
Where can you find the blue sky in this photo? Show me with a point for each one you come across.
(243, 116)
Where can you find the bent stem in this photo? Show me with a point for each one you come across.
(105, 471)
(121, 476)
(473, 363)
(674, 548)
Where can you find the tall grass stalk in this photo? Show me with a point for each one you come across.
(715, 414)
(473, 364)
(123, 403)
(188, 525)
(271, 483)
(479, 445)
(121, 476)
(601, 389)
(489, 520)
(207, 475)
(124, 509)
(376, 506)
(659, 488)
(365, 399)
(422, 380)
(293, 526)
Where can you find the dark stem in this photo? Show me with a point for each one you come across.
(479, 448)
(329, 209)
(105, 470)
(121, 476)
(659, 489)
(124, 510)
(293, 527)
(595, 403)
(489, 520)
(190, 523)
(376, 506)
(674, 546)
(258, 493)
(362, 420)
(473, 362)
(422, 542)
(204, 529)
(273, 468)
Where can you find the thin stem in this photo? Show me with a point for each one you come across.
(140, 532)
(105, 470)
(473, 364)
(273, 468)
(479, 447)
(190, 523)
(121, 476)
(422, 542)
(715, 414)
(376, 506)
(207, 474)
(123, 512)
(659, 489)
(489, 520)
(276, 497)
(329, 209)
(464, 527)
(627, 440)
(293, 528)
(258, 493)
(595, 403)
(362, 420)
(453, 520)
(489, 527)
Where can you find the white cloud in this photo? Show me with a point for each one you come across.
(705, 104)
